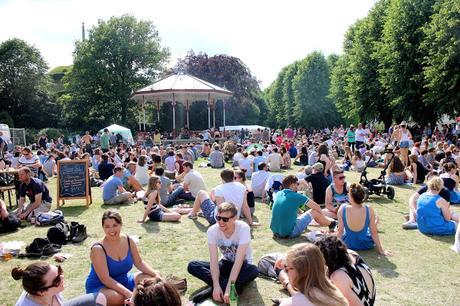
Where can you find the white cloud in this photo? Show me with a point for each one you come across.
(266, 35)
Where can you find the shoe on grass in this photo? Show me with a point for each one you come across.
(409, 225)
(192, 216)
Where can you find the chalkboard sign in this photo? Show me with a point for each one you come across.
(73, 181)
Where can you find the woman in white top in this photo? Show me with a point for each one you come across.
(306, 279)
(142, 170)
(43, 285)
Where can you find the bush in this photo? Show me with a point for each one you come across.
(31, 136)
(52, 133)
(5, 118)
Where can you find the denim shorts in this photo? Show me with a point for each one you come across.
(301, 224)
(404, 144)
(156, 215)
(209, 210)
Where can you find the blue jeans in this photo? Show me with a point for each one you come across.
(202, 270)
(179, 193)
(301, 224)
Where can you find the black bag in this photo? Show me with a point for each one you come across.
(59, 233)
(42, 247)
(10, 224)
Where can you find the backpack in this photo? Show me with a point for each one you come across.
(62, 232)
(49, 218)
(59, 233)
(266, 265)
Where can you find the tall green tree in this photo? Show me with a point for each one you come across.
(312, 108)
(22, 83)
(441, 69)
(274, 96)
(401, 59)
(120, 55)
(288, 93)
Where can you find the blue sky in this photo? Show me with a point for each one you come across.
(266, 35)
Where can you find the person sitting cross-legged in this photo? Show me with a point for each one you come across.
(112, 190)
(229, 191)
(233, 238)
(285, 223)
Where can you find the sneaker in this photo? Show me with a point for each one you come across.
(203, 295)
(192, 216)
(333, 225)
(200, 214)
(409, 225)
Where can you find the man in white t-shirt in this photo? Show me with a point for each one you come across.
(229, 191)
(233, 238)
(237, 157)
(193, 183)
(259, 180)
(274, 160)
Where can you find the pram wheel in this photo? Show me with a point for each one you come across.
(390, 192)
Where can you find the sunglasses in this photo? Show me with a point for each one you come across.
(341, 178)
(287, 268)
(225, 219)
(57, 281)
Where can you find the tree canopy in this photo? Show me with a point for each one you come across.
(120, 55)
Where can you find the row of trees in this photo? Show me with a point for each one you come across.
(299, 95)
(120, 55)
(402, 61)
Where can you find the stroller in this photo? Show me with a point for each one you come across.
(273, 185)
(378, 186)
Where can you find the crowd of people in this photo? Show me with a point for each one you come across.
(167, 180)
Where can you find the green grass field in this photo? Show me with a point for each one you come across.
(422, 271)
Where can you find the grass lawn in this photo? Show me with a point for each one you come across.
(422, 271)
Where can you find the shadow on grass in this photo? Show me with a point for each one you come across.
(73, 211)
(151, 227)
(382, 264)
(203, 228)
(444, 239)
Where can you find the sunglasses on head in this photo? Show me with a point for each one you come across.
(56, 281)
(225, 219)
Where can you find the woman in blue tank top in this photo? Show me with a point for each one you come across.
(112, 260)
(433, 212)
(357, 226)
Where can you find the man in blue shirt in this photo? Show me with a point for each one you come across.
(285, 223)
(260, 158)
(113, 191)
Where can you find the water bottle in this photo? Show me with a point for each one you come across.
(233, 295)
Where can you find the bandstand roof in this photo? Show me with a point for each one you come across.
(184, 87)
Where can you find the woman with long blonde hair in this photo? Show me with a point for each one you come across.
(306, 270)
(153, 208)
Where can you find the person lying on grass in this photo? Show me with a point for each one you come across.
(357, 225)
(154, 210)
(112, 260)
